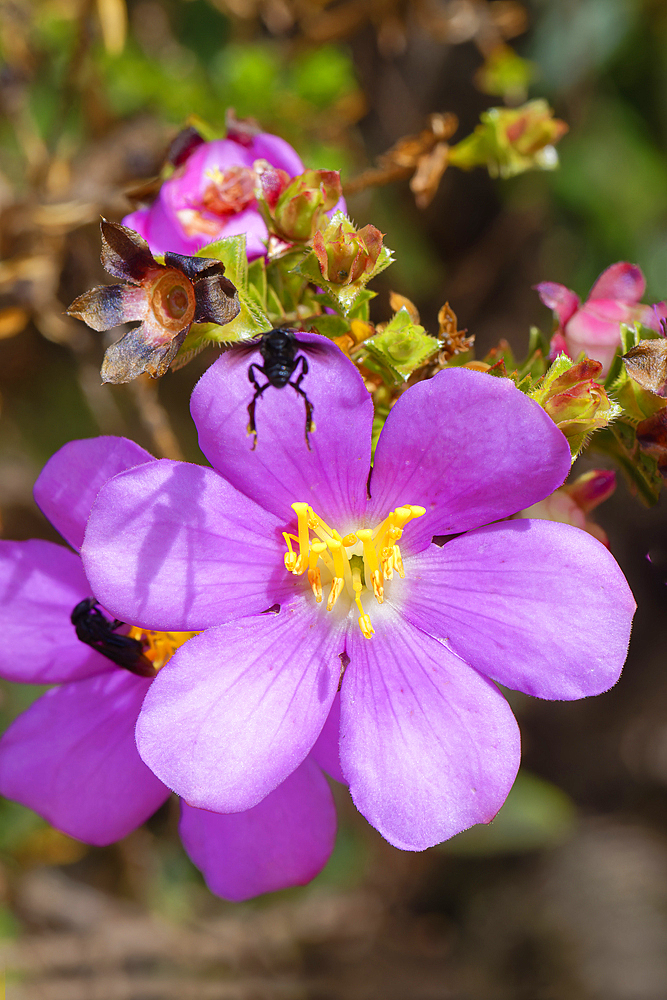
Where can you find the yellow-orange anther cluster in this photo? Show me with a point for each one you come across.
(360, 561)
(159, 647)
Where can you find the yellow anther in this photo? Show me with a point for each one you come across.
(337, 585)
(372, 567)
(316, 550)
(387, 562)
(159, 647)
(290, 555)
(314, 574)
(301, 510)
(364, 620)
(323, 550)
(315, 581)
(339, 562)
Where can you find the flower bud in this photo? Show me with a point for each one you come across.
(300, 208)
(270, 182)
(511, 140)
(346, 254)
(570, 504)
(576, 403)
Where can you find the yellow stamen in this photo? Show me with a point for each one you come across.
(314, 574)
(290, 555)
(338, 582)
(365, 536)
(301, 510)
(159, 647)
(328, 553)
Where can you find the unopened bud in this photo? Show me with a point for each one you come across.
(509, 141)
(300, 207)
(346, 254)
(576, 403)
(570, 504)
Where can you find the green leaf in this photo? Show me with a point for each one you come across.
(252, 319)
(328, 325)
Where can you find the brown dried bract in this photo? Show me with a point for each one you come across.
(452, 339)
(422, 157)
(647, 365)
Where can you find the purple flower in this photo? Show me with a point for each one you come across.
(594, 327)
(418, 632)
(212, 195)
(72, 755)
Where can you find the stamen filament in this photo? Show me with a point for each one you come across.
(301, 511)
(348, 570)
(365, 536)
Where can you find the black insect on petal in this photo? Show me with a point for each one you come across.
(101, 635)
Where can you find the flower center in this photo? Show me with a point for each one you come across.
(359, 562)
(172, 300)
(159, 647)
(229, 191)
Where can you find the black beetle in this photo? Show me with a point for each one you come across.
(281, 354)
(97, 631)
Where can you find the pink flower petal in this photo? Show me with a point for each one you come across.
(621, 281)
(173, 547)
(428, 745)
(238, 708)
(72, 758)
(468, 447)
(278, 152)
(40, 585)
(559, 298)
(325, 750)
(538, 606)
(281, 470)
(283, 841)
(69, 482)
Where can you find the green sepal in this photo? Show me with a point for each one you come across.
(637, 403)
(257, 281)
(252, 319)
(561, 365)
(361, 308)
(328, 325)
(640, 470)
(402, 346)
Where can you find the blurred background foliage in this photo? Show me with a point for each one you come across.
(565, 895)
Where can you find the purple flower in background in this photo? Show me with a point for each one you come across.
(413, 632)
(72, 755)
(212, 195)
(594, 327)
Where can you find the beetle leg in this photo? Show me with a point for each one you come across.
(309, 406)
(252, 428)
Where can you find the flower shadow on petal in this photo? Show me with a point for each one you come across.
(174, 546)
